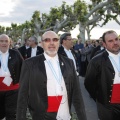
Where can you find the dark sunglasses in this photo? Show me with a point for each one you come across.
(49, 40)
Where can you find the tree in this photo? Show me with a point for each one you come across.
(2, 30)
(59, 19)
(89, 15)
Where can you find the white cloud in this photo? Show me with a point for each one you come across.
(6, 6)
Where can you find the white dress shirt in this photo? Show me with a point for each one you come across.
(70, 55)
(33, 52)
(54, 87)
(4, 71)
(115, 60)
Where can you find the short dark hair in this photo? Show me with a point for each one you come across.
(107, 32)
(64, 36)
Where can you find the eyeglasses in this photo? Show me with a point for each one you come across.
(69, 39)
(47, 40)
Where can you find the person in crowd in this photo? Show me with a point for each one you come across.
(97, 48)
(66, 49)
(84, 61)
(16, 47)
(11, 46)
(88, 50)
(34, 48)
(23, 49)
(10, 67)
(49, 84)
(78, 47)
(96, 43)
(102, 79)
(93, 43)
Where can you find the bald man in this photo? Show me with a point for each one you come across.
(49, 85)
(10, 67)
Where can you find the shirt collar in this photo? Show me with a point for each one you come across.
(34, 48)
(113, 55)
(51, 58)
(66, 49)
(1, 53)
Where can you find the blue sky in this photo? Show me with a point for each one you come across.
(18, 11)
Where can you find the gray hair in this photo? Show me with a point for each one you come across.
(33, 38)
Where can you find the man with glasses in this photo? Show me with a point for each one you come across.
(34, 48)
(66, 49)
(48, 85)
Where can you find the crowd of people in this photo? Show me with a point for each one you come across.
(45, 78)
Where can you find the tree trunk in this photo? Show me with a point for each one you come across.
(88, 34)
(82, 31)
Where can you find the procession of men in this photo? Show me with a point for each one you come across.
(46, 79)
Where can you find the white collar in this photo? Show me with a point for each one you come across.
(66, 49)
(4, 53)
(51, 58)
(113, 55)
(34, 48)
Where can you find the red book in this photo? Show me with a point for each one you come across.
(4, 87)
(54, 103)
(115, 93)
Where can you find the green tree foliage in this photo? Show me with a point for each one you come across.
(94, 13)
(2, 30)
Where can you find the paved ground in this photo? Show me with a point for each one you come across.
(90, 105)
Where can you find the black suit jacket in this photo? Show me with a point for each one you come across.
(14, 65)
(94, 51)
(99, 51)
(39, 51)
(99, 83)
(33, 88)
(99, 78)
(23, 51)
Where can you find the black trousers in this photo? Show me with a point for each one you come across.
(50, 116)
(8, 104)
(108, 112)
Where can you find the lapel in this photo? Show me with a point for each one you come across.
(10, 59)
(107, 62)
(62, 66)
(63, 51)
(73, 55)
(29, 52)
(37, 52)
(41, 66)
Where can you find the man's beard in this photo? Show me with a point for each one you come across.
(51, 52)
